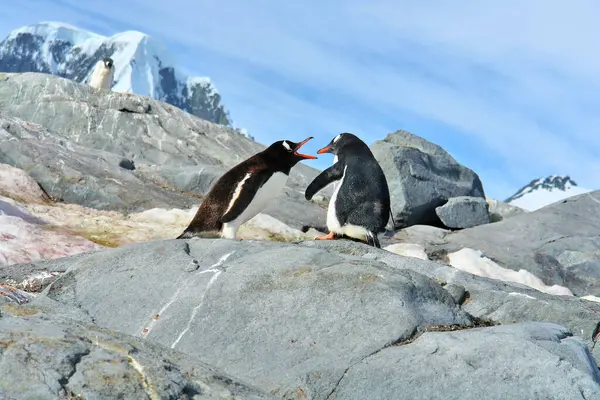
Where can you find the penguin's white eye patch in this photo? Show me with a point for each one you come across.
(335, 139)
(287, 146)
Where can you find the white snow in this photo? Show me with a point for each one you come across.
(543, 197)
(535, 195)
(138, 62)
(204, 82)
(474, 262)
(590, 297)
(54, 30)
(270, 224)
(408, 250)
(521, 295)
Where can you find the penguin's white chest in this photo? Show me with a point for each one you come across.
(102, 77)
(267, 192)
(333, 224)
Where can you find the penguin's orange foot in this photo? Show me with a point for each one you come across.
(329, 236)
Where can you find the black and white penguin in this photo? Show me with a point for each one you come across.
(360, 205)
(245, 190)
(103, 74)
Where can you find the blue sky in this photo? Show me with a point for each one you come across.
(511, 89)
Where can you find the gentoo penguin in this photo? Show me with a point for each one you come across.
(103, 74)
(360, 205)
(244, 191)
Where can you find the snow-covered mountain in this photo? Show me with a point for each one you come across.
(142, 65)
(543, 191)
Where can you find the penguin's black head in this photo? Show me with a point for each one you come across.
(287, 151)
(341, 141)
(108, 62)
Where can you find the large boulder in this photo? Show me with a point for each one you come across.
(328, 319)
(272, 314)
(464, 212)
(490, 300)
(76, 174)
(490, 363)
(500, 210)
(421, 176)
(45, 355)
(559, 243)
(124, 152)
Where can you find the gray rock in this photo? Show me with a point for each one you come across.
(421, 177)
(270, 313)
(489, 299)
(45, 355)
(127, 164)
(559, 243)
(521, 361)
(197, 179)
(72, 139)
(220, 299)
(459, 293)
(500, 210)
(10, 294)
(464, 212)
(425, 235)
(80, 175)
(17, 273)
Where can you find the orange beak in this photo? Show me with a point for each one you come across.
(298, 148)
(325, 149)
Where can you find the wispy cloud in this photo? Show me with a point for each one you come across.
(508, 88)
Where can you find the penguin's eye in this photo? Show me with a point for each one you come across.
(287, 146)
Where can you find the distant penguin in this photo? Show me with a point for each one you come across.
(103, 74)
(360, 205)
(245, 190)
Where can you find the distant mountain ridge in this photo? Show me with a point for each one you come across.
(543, 191)
(142, 65)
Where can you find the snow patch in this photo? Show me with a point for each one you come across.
(270, 224)
(474, 262)
(174, 216)
(590, 297)
(408, 250)
(522, 295)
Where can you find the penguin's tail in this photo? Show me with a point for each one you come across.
(373, 240)
(184, 235)
(212, 234)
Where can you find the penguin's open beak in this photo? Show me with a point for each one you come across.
(298, 148)
(326, 149)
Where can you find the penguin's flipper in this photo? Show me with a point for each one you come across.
(331, 174)
(246, 193)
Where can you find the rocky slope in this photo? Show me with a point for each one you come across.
(142, 65)
(559, 243)
(34, 228)
(124, 152)
(271, 317)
